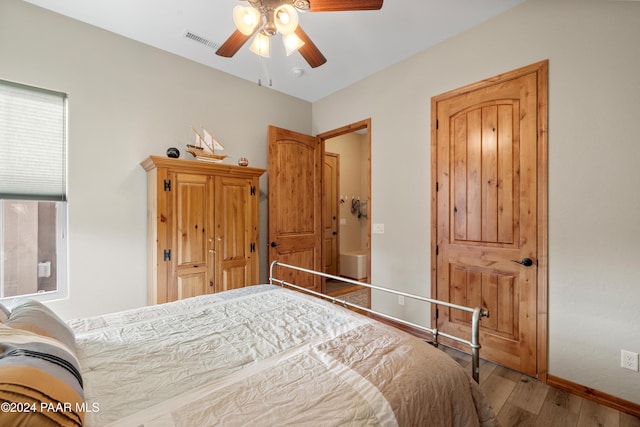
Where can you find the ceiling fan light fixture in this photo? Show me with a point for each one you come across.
(246, 19)
(286, 19)
(281, 16)
(291, 43)
(261, 44)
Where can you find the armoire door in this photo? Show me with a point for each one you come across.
(235, 233)
(486, 213)
(191, 234)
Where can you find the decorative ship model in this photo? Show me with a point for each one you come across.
(205, 148)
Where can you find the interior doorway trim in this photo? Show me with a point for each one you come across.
(353, 127)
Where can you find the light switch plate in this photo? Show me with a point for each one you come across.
(378, 229)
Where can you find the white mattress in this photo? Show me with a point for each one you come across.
(263, 354)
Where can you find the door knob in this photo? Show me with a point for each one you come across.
(527, 262)
(274, 244)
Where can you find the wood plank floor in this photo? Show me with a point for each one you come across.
(520, 400)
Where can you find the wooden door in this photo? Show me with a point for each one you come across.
(331, 212)
(486, 236)
(192, 268)
(295, 197)
(235, 232)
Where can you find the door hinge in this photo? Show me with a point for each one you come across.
(167, 254)
(437, 124)
(437, 250)
(252, 247)
(437, 313)
(253, 190)
(167, 185)
(437, 187)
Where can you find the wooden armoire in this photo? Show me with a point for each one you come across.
(202, 220)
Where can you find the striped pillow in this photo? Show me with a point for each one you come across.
(4, 313)
(39, 371)
(31, 315)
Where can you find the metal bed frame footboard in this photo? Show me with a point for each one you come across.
(477, 313)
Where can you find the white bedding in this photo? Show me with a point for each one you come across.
(264, 355)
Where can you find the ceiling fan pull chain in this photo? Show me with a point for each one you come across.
(264, 73)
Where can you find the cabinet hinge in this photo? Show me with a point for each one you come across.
(167, 254)
(437, 313)
(252, 247)
(167, 185)
(252, 190)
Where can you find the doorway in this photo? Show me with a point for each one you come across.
(346, 203)
(489, 213)
(297, 200)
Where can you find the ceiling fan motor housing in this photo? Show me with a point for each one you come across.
(263, 5)
(267, 8)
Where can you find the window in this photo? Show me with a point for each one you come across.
(33, 202)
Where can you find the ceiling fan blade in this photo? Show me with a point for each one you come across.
(233, 44)
(343, 5)
(310, 51)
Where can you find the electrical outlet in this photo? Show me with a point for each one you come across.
(629, 360)
(378, 229)
(401, 299)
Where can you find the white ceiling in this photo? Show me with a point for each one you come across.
(356, 44)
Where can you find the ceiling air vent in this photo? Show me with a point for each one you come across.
(201, 40)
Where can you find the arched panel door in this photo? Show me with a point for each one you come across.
(295, 204)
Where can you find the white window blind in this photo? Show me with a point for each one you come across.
(32, 143)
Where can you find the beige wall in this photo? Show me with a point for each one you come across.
(127, 101)
(594, 152)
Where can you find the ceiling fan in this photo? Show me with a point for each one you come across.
(265, 18)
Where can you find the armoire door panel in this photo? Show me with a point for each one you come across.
(192, 284)
(236, 227)
(192, 206)
(233, 219)
(234, 275)
(191, 234)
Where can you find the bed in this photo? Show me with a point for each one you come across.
(269, 356)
